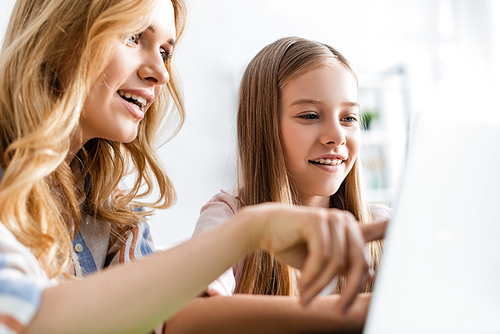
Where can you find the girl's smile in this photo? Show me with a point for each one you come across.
(319, 113)
(329, 163)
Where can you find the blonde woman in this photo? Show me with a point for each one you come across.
(84, 87)
(298, 143)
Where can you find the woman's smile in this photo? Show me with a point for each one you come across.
(132, 80)
(137, 101)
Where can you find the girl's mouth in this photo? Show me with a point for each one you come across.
(331, 162)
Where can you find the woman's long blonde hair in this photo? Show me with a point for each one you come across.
(262, 170)
(52, 54)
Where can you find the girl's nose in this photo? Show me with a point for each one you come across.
(333, 134)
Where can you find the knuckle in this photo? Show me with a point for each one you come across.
(322, 214)
(338, 263)
(319, 217)
(349, 216)
(364, 265)
(335, 214)
(324, 256)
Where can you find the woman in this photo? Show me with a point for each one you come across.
(84, 89)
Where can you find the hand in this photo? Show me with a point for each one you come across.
(322, 243)
(375, 231)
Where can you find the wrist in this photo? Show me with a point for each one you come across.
(249, 229)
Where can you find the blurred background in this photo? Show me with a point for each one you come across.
(427, 56)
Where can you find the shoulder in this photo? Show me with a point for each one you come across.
(223, 200)
(217, 210)
(380, 212)
(15, 255)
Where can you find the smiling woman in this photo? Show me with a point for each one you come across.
(131, 82)
(85, 87)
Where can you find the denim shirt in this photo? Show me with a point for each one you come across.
(22, 279)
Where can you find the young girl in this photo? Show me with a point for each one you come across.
(84, 87)
(298, 144)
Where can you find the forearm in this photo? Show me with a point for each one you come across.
(375, 231)
(133, 298)
(267, 314)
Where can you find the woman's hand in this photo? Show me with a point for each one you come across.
(322, 243)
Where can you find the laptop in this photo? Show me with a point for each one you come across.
(440, 271)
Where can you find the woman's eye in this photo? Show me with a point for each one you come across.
(134, 39)
(165, 56)
(309, 116)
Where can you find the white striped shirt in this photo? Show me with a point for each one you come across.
(22, 279)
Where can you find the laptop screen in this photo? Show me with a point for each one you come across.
(440, 271)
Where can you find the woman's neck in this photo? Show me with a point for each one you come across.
(75, 145)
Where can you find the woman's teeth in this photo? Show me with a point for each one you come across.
(139, 101)
(333, 162)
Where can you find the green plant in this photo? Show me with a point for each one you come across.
(368, 116)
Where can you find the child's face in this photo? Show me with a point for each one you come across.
(132, 80)
(319, 124)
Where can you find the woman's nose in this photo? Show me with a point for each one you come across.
(154, 70)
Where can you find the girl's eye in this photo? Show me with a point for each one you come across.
(309, 116)
(349, 119)
(165, 56)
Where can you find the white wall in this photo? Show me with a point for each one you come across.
(447, 46)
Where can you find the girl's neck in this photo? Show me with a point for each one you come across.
(320, 201)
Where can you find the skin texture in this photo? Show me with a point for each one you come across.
(319, 118)
(273, 315)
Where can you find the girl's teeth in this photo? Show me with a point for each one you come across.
(329, 162)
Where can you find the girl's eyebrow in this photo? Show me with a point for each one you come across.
(351, 104)
(304, 101)
(153, 30)
(311, 101)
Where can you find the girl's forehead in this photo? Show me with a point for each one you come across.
(329, 72)
(325, 84)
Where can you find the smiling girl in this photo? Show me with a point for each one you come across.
(298, 129)
(84, 88)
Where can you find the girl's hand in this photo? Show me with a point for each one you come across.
(375, 231)
(322, 243)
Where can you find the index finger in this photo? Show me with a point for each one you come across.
(357, 273)
(316, 236)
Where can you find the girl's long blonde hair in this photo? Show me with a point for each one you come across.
(52, 54)
(262, 173)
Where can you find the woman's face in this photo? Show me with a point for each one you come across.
(131, 82)
(319, 124)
